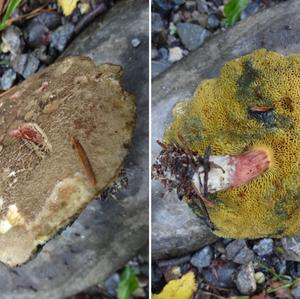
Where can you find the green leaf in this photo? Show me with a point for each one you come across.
(128, 283)
(233, 10)
(12, 5)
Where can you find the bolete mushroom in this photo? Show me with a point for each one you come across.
(64, 134)
(248, 183)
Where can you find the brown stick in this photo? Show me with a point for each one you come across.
(85, 163)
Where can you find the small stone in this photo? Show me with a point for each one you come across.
(213, 22)
(202, 258)
(238, 252)
(38, 35)
(178, 2)
(175, 54)
(49, 19)
(201, 19)
(279, 264)
(135, 42)
(162, 7)
(61, 36)
(264, 247)
(190, 5)
(191, 35)
(260, 277)
(163, 54)
(293, 268)
(296, 292)
(202, 6)
(291, 248)
(154, 53)
(245, 280)
(222, 276)
(26, 65)
(111, 284)
(12, 38)
(8, 79)
(157, 24)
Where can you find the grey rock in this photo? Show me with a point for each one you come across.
(202, 6)
(176, 230)
(162, 6)
(107, 234)
(213, 21)
(222, 276)
(111, 284)
(50, 19)
(190, 5)
(178, 2)
(61, 36)
(8, 78)
(264, 247)
(163, 54)
(38, 34)
(202, 258)
(12, 39)
(157, 24)
(245, 280)
(26, 65)
(135, 42)
(159, 67)
(154, 53)
(238, 252)
(191, 35)
(200, 18)
(291, 248)
(296, 292)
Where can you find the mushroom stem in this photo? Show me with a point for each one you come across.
(232, 171)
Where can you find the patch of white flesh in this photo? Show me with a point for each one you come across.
(219, 176)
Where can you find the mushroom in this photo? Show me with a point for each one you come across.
(249, 183)
(64, 134)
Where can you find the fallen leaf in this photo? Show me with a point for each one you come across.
(182, 288)
(67, 6)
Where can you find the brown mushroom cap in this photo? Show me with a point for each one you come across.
(42, 189)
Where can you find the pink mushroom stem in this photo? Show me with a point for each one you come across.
(233, 171)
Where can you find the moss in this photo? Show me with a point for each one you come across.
(218, 114)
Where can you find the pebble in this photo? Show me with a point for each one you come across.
(49, 19)
(191, 35)
(111, 284)
(291, 248)
(157, 24)
(163, 54)
(238, 252)
(12, 40)
(135, 42)
(61, 36)
(26, 65)
(296, 292)
(213, 22)
(8, 79)
(293, 268)
(202, 6)
(38, 35)
(154, 54)
(264, 247)
(200, 18)
(202, 258)
(190, 5)
(222, 276)
(162, 6)
(245, 280)
(175, 54)
(178, 2)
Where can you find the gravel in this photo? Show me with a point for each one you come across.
(26, 65)
(291, 248)
(245, 280)
(8, 79)
(202, 258)
(61, 36)
(238, 252)
(264, 247)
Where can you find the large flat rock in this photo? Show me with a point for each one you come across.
(107, 234)
(276, 29)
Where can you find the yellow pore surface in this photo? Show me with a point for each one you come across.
(218, 114)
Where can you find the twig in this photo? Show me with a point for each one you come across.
(101, 8)
(174, 262)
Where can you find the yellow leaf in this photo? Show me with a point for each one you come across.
(67, 6)
(182, 288)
